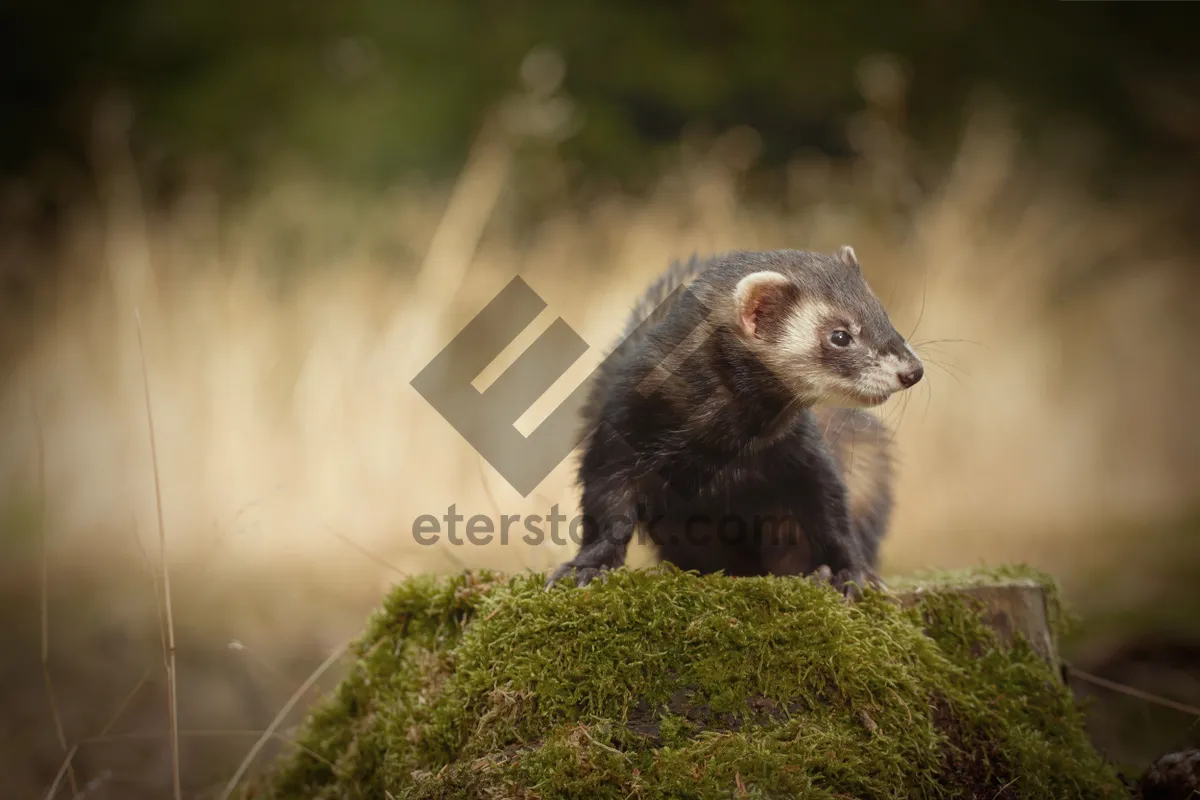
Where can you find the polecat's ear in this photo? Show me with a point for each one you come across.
(761, 301)
(846, 255)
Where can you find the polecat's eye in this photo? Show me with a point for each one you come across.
(840, 338)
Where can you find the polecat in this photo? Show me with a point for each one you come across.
(728, 426)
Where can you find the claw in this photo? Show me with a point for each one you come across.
(582, 575)
(849, 582)
(558, 574)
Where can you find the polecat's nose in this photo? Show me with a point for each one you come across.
(911, 376)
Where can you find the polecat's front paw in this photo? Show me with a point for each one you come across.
(823, 574)
(850, 582)
(582, 575)
(869, 578)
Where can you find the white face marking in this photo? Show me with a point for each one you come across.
(793, 358)
(891, 363)
(800, 335)
(884, 377)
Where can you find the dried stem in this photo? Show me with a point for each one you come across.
(169, 656)
(1131, 691)
(378, 559)
(63, 770)
(45, 606)
(283, 712)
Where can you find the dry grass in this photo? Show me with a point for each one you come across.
(283, 411)
(169, 648)
(283, 712)
(296, 398)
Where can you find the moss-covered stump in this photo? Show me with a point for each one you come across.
(659, 683)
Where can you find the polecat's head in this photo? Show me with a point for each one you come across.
(814, 321)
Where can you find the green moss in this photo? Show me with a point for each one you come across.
(659, 683)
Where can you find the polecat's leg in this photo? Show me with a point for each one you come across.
(609, 525)
(818, 501)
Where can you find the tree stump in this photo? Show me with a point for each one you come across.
(659, 684)
(1012, 608)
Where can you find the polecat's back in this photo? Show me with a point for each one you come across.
(653, 307)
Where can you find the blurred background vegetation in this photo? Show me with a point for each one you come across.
(373, 92)
(303, 202)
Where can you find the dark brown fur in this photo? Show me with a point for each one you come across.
(720, 458)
